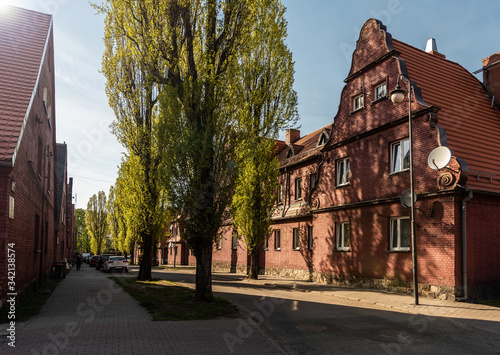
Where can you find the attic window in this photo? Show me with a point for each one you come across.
(322, 140)
(380, 91)
(358, 102)
(290, 153)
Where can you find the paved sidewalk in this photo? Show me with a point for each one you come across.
(90, 314)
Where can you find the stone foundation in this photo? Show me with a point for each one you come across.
(391, 285)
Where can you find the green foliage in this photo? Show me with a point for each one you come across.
(82, 236)
(96, 222)
(266, 103)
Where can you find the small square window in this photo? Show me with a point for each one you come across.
(399, 239)
(343, 236)
(343, 171)
(400, 156)
(298, 189)
(358, 102)
(277, 239)
(380, 91)
(296, 238)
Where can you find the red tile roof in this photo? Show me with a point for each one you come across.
(23, 35)
(472, 124)
(304, 147)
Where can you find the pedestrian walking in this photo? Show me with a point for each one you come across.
(78, 261)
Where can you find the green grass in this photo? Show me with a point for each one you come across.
(165, 300)
(30, 304)
(492, 302)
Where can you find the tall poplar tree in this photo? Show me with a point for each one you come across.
(96, 222)
(266, 104)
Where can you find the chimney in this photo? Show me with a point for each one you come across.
(292, 135)
(491, 74)
(432, 48)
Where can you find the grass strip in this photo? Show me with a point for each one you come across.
(492, 302)
(166, 300)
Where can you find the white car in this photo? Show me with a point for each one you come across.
(116, 263)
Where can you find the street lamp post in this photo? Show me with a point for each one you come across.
(397, 96)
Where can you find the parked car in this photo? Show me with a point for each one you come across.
(93, 260)
(118, 263)
(102, 259)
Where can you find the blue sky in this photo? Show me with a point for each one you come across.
(321, 34)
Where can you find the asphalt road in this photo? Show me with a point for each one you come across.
(314, 323)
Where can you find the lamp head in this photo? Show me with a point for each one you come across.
(397, 95)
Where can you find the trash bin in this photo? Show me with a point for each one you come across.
(58, 270)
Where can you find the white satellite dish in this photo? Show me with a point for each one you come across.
(439, 158)
(406, 198)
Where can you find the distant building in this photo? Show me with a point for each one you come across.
(36, 211)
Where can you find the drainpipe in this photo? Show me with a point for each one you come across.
(464, 245)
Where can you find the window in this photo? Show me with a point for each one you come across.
(400, 156)
(296, 238)
(323, 139)
(235, 240)
(310, 238)
(380, 91)
(280, 193)
(266, 244)
(343, 236)
(313, 179)
(277, 239)
(219, 242)
(400, 234)
(298, 189)
(358, 102)
(343, 172)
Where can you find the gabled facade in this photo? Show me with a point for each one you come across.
(28, 205)
(339, 216)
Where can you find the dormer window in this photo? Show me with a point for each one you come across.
(358, 102)
(322, 140)
(380, 91)
(290, 153)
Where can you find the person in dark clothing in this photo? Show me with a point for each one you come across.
(78, 262)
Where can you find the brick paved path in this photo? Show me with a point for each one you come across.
(90, 314)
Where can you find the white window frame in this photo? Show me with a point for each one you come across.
(380, 94)
(343, 171)
(358, 102)
(277, 239)
(395, 223)
(296, 239)
(298, 189)
(340, 234)
(398, 156)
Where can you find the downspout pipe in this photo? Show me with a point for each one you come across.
(465, 295)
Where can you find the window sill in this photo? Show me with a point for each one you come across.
(399, 172)
(342, 250)
(343, 185)
(399, 251)
(296, 249)
(356, 110)
(380, 99)
(277, 249)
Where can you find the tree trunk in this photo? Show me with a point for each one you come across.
(145, 267)
(204, 274)
(253, 273)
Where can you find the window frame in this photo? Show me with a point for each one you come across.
(277, 239)
(310, 238)
(313, 180)
(219, 242)
(375, 91)
(398, 248)
(358, 102)
(298, 189)
(266, 243)
(401, 156)
(346, 174)
(280, 194)
(340, 236)
(296, 238)
(234, 241)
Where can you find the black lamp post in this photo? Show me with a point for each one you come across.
(397, 96)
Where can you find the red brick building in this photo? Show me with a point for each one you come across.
(339, 216)
(29, 210)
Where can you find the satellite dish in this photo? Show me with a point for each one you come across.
(439, 158)
(406, 198)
